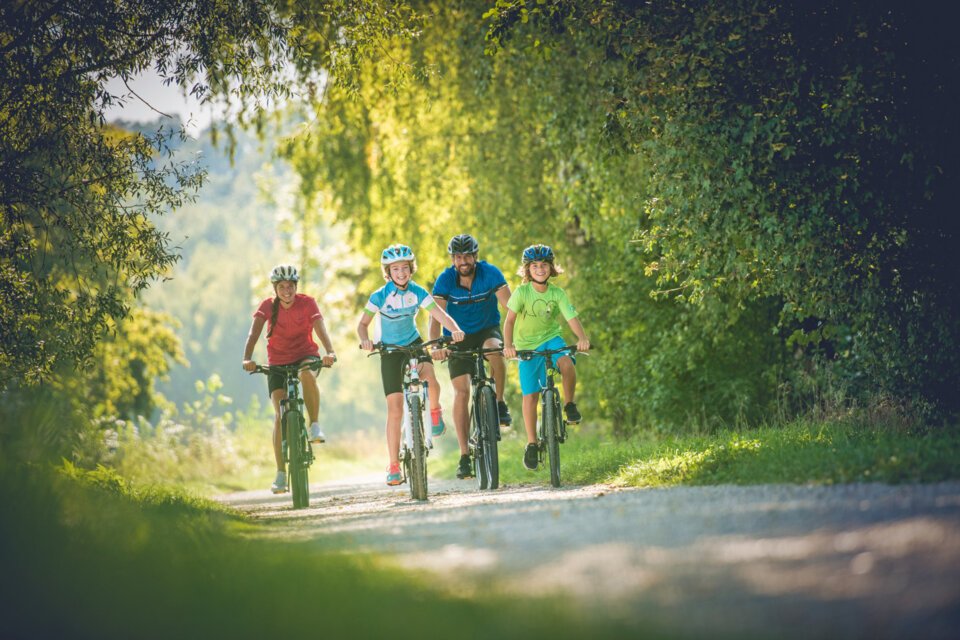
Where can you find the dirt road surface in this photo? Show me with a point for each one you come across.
(777, 561)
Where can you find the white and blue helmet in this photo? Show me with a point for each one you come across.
(396, 253)
(284, 272)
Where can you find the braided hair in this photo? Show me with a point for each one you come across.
(273, 316)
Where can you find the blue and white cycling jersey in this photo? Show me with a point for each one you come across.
(398, 311)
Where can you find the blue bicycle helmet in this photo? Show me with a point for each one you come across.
(463, 243)
(396, 253)
(537, 253)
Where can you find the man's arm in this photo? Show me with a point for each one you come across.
(433, 330)
(503, 296)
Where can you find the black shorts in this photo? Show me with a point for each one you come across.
(278, 380)
(460, 366)
(392, 366)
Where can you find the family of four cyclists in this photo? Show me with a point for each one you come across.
(464, 304)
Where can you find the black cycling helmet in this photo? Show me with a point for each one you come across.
(538, 253)
(463, 243)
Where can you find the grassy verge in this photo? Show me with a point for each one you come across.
(89, 556)
(801, 452)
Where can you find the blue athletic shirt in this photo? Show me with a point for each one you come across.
(398, 310)
(474, 309)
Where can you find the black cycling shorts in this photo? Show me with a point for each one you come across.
(278, 380)
(392, 366)
(460, 366)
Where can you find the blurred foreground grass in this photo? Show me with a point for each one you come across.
(86, 555)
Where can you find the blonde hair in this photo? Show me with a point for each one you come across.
(524, 271)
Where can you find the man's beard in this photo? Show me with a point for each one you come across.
(466, 269)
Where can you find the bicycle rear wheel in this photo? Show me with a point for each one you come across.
(418, 461)
(299, 456)
(551, 433)
(488, 417)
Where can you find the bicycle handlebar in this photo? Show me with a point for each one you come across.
(314, 365)
(528, 354)
(385, 347)
(464, 353)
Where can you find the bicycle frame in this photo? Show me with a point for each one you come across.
(296, 450)
(413, 386)
(415, 440)
(484, 417)
(551, 427)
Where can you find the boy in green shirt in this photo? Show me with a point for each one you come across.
(534, 309)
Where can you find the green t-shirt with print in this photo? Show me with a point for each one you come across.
(538, 314)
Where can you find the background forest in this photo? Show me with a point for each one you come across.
(753, 202)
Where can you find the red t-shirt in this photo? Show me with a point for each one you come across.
(292, 337)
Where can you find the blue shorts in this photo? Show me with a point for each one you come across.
(533, 372)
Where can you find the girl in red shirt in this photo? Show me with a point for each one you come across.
(291, 318)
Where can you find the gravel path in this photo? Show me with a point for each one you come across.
(783, 561)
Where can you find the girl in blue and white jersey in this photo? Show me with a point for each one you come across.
(397, 302)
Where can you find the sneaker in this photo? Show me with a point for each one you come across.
(280, 484)
(531, 457)
(573, 414)
(316, 436)
(393, 475)
(505, 418)
(436, 422)
(465, 468)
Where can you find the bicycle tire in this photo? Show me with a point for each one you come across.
(418, 462)
(488, 462)
(475, 444)
(551, 433)
(297, 474)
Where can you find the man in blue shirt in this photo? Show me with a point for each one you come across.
(469, 291)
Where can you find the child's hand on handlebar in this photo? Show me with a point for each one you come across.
(329, 359)
(366, 345)
(249, 365)
(457, 336)
(583, 345)
(509, 351)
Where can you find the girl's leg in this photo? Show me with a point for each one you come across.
(428, 373)
(530, 402)
(311, 394)
(276, 397)
(568, 371)
(394, 416)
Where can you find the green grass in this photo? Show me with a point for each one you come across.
(798, 453)
(88, 555)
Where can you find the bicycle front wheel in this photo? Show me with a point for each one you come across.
(299, 456)
(551, 433)
(488, 419)
(418, 462)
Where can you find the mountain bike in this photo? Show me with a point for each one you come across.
(295, 442)
(415, 441)
(551, 427)
(484, 417)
